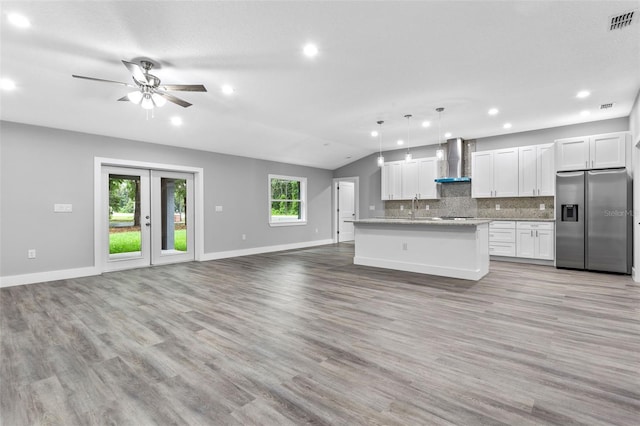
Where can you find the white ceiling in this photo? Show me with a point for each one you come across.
(378, 60)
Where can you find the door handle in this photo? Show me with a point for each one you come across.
(147, 224)
(536, 234)
(532, 232)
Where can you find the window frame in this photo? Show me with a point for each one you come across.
(302, 200)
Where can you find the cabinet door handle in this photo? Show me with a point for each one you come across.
(534, 191)
(591, 163)
(532, 232)
(586, 163)
(536, 234)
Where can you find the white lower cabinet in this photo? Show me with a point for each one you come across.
(535, 240)
(525, 239)
(502, 238)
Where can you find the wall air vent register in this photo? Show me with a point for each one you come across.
(623, 20)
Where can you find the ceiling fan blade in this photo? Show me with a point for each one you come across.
(124, 98)
(136, 71)
(102, 80)
(175, 100)
(184, 87)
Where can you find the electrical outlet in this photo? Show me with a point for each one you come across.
(31, 253)
(218, 208)
(316, 230)
(401, 208)
(497, 206)
(404, 246)
(426, 206)
(372, 208)
(542, 207)
(63, 208)
(244, 236)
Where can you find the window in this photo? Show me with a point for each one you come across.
(287, 200)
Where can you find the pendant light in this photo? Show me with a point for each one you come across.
(408, 157)
(380, 157)
(439, 151)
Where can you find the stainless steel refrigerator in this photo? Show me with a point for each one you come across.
(594, 220)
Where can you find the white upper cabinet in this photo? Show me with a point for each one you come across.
(607, 151)
(536, 172)
(592, 152)
(505, 175)
(427, 174)
(410, 179)
(572, 153)
(391, 184)
(494, 173)
(405, 180)
(482, 174)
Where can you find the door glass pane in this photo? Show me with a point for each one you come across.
(174, 215)
(124, 216)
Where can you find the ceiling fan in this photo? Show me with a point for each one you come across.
(150, 93)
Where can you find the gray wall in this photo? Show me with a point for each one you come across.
(369, 173)
(537, 137)
(41, 166)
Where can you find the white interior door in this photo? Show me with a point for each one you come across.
(173, 217)
(148, 217)
(126, 218)
(346, 210)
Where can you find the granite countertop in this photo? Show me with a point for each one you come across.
(422, 221)
(521, 219)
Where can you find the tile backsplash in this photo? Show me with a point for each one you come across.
(455, 200)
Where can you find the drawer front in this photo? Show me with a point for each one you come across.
(502, 249)
(535, 225)
(502, 235)
(502, 224)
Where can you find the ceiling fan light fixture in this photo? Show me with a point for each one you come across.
(135, 96)
(158, 100)
(147, 102)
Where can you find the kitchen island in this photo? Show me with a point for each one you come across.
(450, 248)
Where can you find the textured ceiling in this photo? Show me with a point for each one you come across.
(378, 60)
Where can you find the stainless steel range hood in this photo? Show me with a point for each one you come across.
(455, 162)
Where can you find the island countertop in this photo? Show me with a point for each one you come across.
(423, 221)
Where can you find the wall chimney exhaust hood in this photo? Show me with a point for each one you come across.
(455, 164)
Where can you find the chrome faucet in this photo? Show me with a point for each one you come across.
(414, 207)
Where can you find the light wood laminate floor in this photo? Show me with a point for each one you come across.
(306, 337)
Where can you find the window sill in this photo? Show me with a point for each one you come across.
(276, 224)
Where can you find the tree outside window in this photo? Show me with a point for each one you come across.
(287, 200)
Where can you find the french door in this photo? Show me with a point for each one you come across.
(148, 217)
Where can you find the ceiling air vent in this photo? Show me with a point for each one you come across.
(606, 106)
(623, 20)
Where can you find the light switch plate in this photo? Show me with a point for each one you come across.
(426, 207)
(542, 207)
(218, 208)
(401, 208)
(372, 208)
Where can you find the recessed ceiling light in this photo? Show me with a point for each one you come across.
(426, 123)
(18, 20)
(447, 135)
(493, 111)
(310, 50)
(583, 94)
(6, 84)
(584, 113)
(400, 142)
(374, 133)
(227, 89)
(507, 125)
(176, 121)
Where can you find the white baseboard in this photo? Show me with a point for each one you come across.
(635, 274)
(265, 249)
(38, 277)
